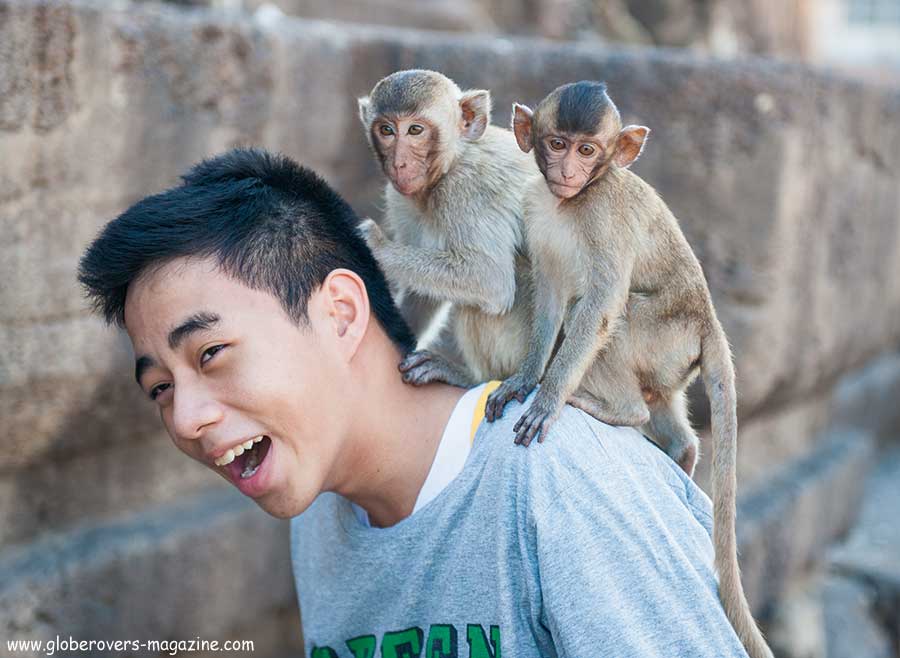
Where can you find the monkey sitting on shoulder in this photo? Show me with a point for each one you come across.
(453, 219)
(611, 267)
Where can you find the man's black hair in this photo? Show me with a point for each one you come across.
(270, 223)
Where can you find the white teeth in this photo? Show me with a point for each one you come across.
(225, 459)
(238, 450)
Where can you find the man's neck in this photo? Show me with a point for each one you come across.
(394, 437)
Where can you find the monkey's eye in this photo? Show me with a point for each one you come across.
(557, 144)
(415, 129)
(385, 130)
(587, 150)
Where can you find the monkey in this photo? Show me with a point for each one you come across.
(612, 269)
(453, 220)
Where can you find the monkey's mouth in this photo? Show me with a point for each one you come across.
(563, 190)
(570, 186)
(409, 185)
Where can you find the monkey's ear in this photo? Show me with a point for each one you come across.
(630, 144)
(521, 125)
(363, 104)
(476, 113)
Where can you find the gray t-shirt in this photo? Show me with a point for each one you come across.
(592, 543)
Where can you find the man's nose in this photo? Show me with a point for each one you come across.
(194, 412)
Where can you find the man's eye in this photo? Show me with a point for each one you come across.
(586, 149)
(385, 130)
(157, 390)
(415, 129)
(209, 353)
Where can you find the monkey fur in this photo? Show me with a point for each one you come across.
(453, 220)
(612, 268)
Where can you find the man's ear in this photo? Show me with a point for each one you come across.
(363, 105)
(629, 144)
(476, 113)
(522, 121)
(346, 303)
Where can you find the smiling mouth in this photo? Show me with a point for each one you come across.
(242, 461)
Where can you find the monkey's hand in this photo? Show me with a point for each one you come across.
(518, 386)
(422, 367)
(537, 419)
(371, 233)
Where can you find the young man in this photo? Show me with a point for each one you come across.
(265, 332)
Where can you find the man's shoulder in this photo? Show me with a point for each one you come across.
(579, 454)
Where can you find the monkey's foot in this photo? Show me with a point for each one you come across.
(600, 410)
(537, 419)
(423, 367)
(517, 387)
(687, 460)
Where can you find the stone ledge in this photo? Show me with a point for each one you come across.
(786, 524)
(871, 553)
(99, 484)
(207, 566)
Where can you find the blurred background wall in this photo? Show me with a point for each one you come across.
(776, 141)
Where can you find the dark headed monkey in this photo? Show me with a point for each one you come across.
(453, 219)
(612, 268)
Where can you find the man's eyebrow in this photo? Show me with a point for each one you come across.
(141, 366)
(197, 322)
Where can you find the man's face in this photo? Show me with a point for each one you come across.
(227, 365)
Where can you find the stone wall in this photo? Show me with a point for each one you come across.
(785, 181)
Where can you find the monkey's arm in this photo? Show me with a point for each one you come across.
(549, 310)
(589, 323)
(459, 274)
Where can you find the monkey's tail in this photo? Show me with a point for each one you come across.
(718, 379)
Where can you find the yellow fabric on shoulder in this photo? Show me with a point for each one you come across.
(478, 416)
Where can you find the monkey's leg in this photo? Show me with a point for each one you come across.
(670, 427)
(422, 367)
(633, 413)
(610, 390)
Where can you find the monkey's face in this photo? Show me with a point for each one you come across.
(230, 371)
(406, 147)
(571, 161)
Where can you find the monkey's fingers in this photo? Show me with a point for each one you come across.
(535, 426)
(414, 360)
(526, 426)
(496, 402)
(520, 423)
(422, 374)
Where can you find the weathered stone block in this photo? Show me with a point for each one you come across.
(204, 566)
(105, 482)
(766, 165)
(830, 616)
(787, 523)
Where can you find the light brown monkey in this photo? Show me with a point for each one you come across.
(613, 269)
(453, 219)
